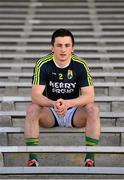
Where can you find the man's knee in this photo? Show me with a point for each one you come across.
(32, 109)
(92, 109)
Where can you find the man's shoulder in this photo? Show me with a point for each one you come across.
(79, 60)
(45, 59)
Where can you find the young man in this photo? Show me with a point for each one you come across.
(69, 99)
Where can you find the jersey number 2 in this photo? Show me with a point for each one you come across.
(60, 76)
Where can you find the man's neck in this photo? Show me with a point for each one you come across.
(61, 64)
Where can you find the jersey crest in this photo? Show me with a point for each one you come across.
(70, 74)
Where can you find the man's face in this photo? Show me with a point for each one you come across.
(62, 48)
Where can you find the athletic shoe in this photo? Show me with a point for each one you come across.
(89, 163)
(33, 162)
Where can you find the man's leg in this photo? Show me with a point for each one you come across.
(36, 116)
(88, 117)
(92, 131)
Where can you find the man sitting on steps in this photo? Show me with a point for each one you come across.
(69, 95)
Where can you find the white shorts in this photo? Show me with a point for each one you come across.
(64, 121)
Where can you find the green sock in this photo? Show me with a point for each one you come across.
(32, 142)
(90, 142)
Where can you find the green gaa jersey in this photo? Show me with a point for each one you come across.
(62, 83)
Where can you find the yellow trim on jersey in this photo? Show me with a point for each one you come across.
(82, 61)
(40, 62)
(90, 143)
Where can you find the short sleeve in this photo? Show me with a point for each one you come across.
(39, 75)
(85, 78)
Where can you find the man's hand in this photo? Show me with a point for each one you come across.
(61, 106)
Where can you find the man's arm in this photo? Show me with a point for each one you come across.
(87, 96)
(39, 98)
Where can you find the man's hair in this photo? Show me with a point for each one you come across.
(61, 33)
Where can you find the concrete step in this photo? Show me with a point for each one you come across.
(104, 88)
(110, 136)
(78, 39)
(20, 103)
(91, 48)
(62, 170)
(51, 4)
(28, 98)
(52, 155)
(43, 10)
(62, 149)
(91, 65)
(47, 34)
(113, 129)
(67, 16)
(28, 84)
(85, 55)
(56, 3)
(72, 27)
(29, 74)
(23, 113)
(62, 22)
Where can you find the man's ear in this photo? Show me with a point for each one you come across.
(52, 49)
(72, 50)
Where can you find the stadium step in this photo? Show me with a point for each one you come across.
(23, 113)
(62, 170)
(113, 129)
(62, 149)
(29, 84)
(29, 74)
(91, 65)
(28, 98)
